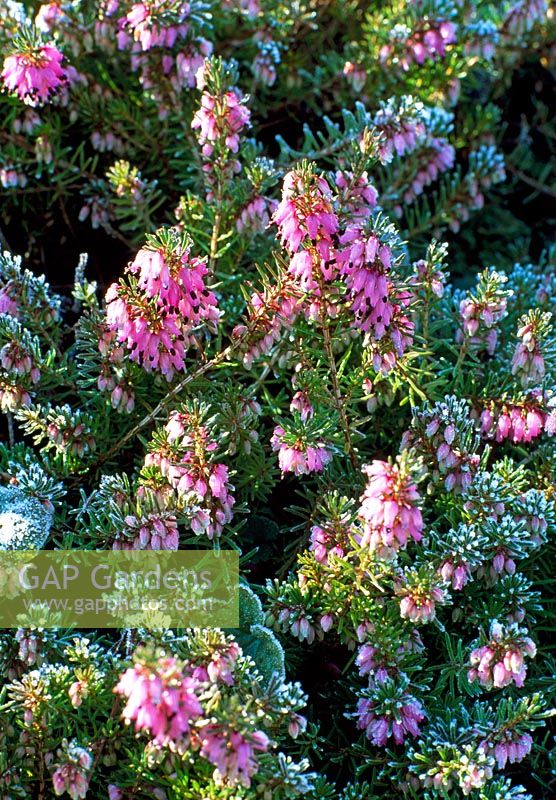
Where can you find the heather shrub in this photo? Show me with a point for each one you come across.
(278, 278)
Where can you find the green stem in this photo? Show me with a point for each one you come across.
(337, 394)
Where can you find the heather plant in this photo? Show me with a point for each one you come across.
(288, 362)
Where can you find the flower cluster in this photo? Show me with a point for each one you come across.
(234, 755)
(353, 248)
(501, 660)
(480, 313)
(35, 73)
(400, 126)
(161, 700)
(528, 361)
(389, 711)
(153, 532)
(428, 41)
(305, 217)
(421, 593)
(444, 435)
(73, 771)
(165, 299)
(221, 119)
(518, 421)
(511, 747)
(389, 507)
(330, 539)
(191, 705)
(184, 460)
(298, 453)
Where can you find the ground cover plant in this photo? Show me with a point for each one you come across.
(279, 277)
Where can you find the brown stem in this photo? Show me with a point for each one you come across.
(540, 187)
(152, 415)
(99, 746)
(214, 238)
(206, 367)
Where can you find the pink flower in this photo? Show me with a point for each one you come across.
(365, 263)
(330, 539)
(191, 472)
(426, 275)
(519, 423)
(155, 313)
(379, 662)
(523, 15)
(271, 312)
(233, 753)
(161, 700)
(481, 314)
(299, 457)
(445, 435)
(456, 572)
(305, 213)
(528, 360)
(401, 129)
(508, 746)
(177, 280)
(265, 61)
(77, 691)
(255, 216)
(300, 402)
(437, 157)
(221, 120)
(153, 532)
(419, 597)
(357, 197)
(502, 660)
(397, 724)
(398, 337)
(219, 666)
(189, 60)
(73, 772)
(148, 25)
(389, 508)
(35, 74)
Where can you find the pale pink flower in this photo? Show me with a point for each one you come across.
(233, 754)
(357, 197)
(502, 660)
(300, 457)
(389, 507)
(152, 532)
(457, 573)
(220, 664)
(419, 599)
(72, 774)
(300, 402)
(330, 539)
(508, 746)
